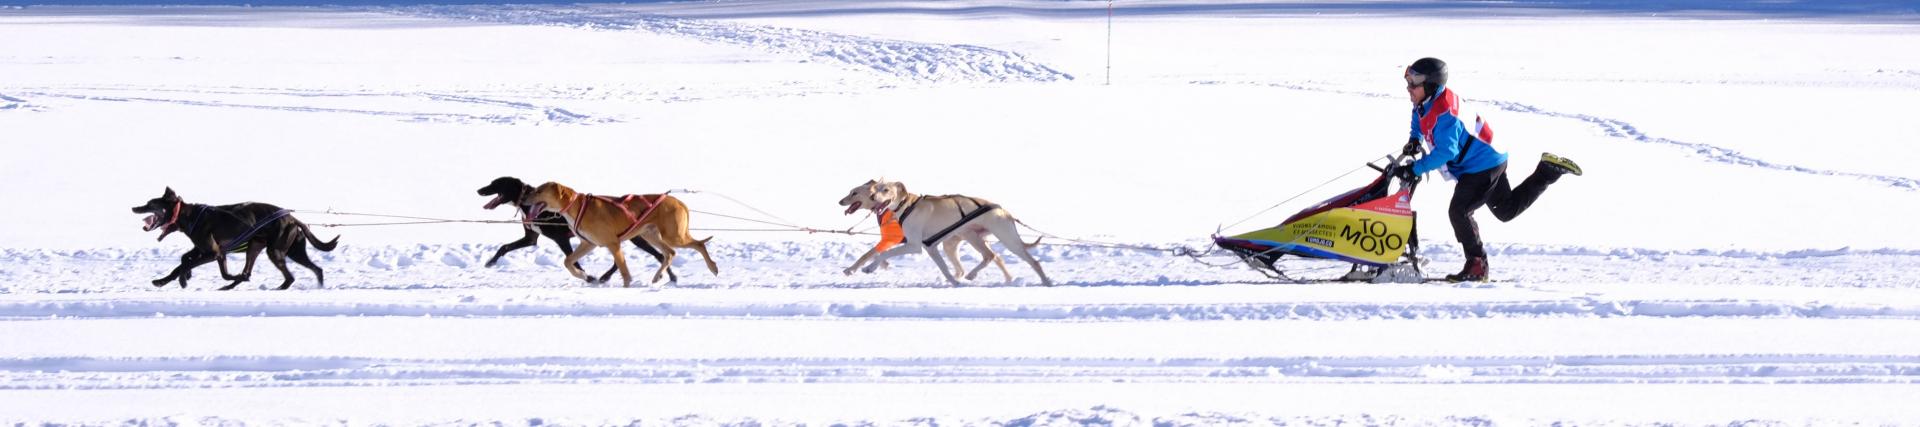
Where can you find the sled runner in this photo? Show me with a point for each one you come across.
(1370, 228)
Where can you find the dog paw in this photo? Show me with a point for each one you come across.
(869, 269)
(161, 283)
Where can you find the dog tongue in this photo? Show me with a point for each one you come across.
(497, 200)
(853, 207)
(152, 222)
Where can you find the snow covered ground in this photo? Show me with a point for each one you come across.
(1741, 250)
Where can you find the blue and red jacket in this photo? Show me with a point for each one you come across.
(1462, 147)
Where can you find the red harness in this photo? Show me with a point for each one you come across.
(580, 207)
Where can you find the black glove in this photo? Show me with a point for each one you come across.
(1405, 173)
(1412, 148)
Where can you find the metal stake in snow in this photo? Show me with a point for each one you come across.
(1109, 43)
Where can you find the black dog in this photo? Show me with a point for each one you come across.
(508, 189)
(218, 230)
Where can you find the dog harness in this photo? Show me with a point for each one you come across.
(236, 244)
(199, 214)
(580, 207)
(965, 216)
(243, 239)
(890, 233)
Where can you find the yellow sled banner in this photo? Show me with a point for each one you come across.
(1354, 234)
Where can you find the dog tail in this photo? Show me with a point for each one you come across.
(326, 246)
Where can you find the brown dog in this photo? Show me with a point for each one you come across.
(606, 221)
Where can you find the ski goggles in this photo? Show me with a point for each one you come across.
(1414, 78)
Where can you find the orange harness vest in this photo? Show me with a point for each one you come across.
(890, 234)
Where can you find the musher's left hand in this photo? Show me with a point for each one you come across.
(1412, 148)
(1405, 173)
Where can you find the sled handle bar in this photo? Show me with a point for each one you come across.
(1392, 159)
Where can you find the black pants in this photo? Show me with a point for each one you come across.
(1489, 188)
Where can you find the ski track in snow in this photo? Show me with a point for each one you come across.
(16, 104)
(1625, 130)
(761, 279)
(148, 306)
(1101, 415)
(86, 373)
(907, 60)
(508, 112)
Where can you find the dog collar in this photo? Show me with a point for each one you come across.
(175, 219)
(906, 208)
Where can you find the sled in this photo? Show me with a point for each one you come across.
(1368, 230)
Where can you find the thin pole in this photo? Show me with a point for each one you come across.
(1109, 43)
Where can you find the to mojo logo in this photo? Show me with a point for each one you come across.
(1372, 237)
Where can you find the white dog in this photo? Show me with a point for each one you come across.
(951, 246)
(922, 217)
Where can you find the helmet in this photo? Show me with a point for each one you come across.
(1429, 73)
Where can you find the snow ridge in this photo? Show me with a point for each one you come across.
(914, 61)
(1625, 130)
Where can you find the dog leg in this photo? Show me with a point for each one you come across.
(987, 256)
(188, 261)
(933, 253)
(566, 246)
(185, 260)
(298, 253)
(573, 259)
(858, 262)
(674, 234)
(903, 249)
(1010, 238)
(610, 269)
(246, 273)
(620, 263)
(648, 247)
(651, 235)
(524, 241)
(952, 247)
(279, 259)
(220, 256)
(701, 247)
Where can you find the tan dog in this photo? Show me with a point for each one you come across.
(950, 246)
(606, 221)
(921, 217)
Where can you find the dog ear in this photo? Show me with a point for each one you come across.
(900, 188)
(169, 193)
